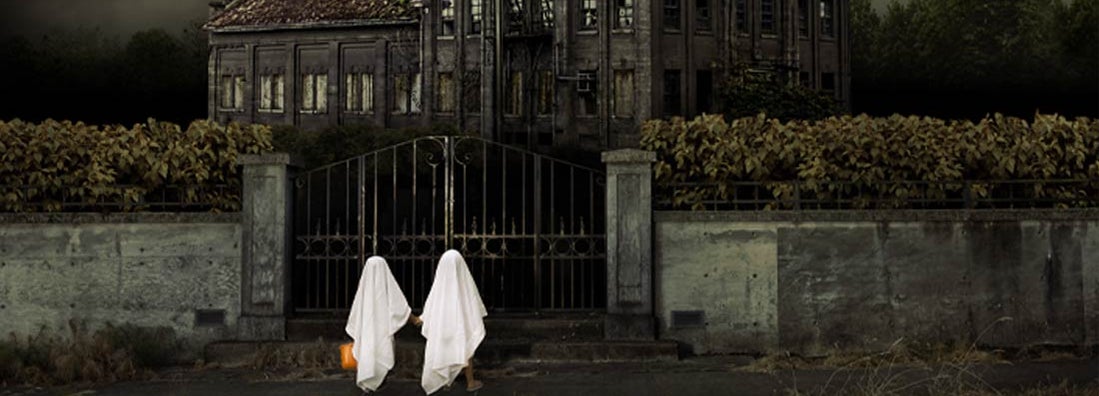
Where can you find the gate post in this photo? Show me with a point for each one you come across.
(629, 245)
(265, 246)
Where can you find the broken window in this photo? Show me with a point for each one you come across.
(767, 16)
(359, 92)
(547, 13)
(623, 14)
(704, 101)
(232, 92)
(471, 92)
(314, 93)
(827, 23)
(671, 14)
(672, 103)
(588, 15)
(623, 93)
(271, 90)
(446, 19)
(703, 17)
(803, 18)
(446, 93)
(514, 105)
(475, 16)
(742, 16)
(545, 92)
(586, 90)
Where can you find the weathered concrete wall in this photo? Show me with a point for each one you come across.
(811, 282)
(142, 269)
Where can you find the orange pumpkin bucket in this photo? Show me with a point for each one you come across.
(347, 359)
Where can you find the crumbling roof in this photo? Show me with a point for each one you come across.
(260, 13)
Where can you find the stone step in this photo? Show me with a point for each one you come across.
(409, 354)
(576, 327)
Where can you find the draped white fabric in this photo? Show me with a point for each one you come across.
(378, 312)
(453, 322)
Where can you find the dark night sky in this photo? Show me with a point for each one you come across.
(123, 17)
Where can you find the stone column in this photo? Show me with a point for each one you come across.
(266, 245)
(629, 245)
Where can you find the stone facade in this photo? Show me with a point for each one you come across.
(572, 72)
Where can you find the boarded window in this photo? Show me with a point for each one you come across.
(623, 93)
(545, 92)
(742, 16)
(314, 93)
(515, 94)
(672, 98)
(471, 92)
(703, 16)
(475, 16)
(446, 95)
(359, 92)
(704, 101)
(589, 15)
(623, 14)
(272, 90)
(767, 16)
(672, 13)
(587, 90)
(803, 18)
(406, 93)
(446, 19)
(827, 21)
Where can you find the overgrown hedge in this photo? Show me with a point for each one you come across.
(863, 149)
(42, 165)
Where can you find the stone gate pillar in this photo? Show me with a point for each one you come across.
(629, 245)
(265, 246)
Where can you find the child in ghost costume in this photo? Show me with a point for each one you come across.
(378, 311)
(453, 323)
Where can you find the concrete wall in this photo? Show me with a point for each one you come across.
(142, 269)
(810, 282)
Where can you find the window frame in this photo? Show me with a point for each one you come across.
(273, 86)
(447, 19)
(678, 90)
(232, 92)
(588, 8)
(803, 18)
(828, 19)
(589, 80)
(624, 15)
(741, 22)
(704, 21)
(318, 93)
(475, 12)
(670, 7)
(764, 17)
(358, 86)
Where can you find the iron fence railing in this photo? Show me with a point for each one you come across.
(904, 194)
(120, 198)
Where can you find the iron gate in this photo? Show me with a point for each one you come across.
(531, 227)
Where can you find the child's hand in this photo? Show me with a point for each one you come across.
(417, 321)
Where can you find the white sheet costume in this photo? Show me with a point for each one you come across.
(379, 310)
(453, 322)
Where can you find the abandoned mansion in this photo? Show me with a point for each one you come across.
(546, 72)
